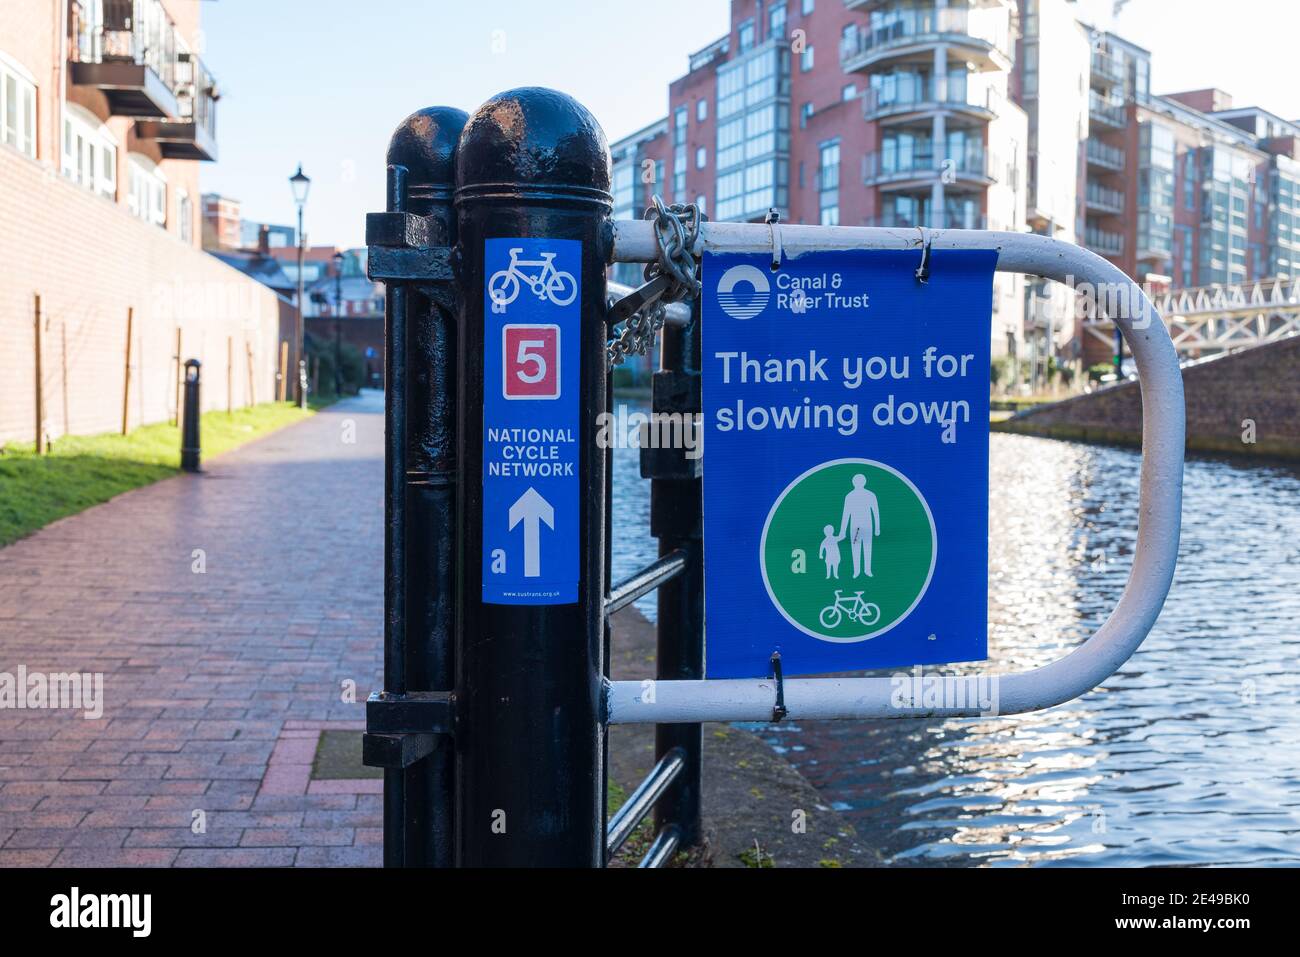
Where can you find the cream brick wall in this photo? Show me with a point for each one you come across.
(90, 260)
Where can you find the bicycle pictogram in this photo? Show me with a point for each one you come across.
(548, 283)
(857, 609)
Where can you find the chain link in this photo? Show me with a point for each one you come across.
(677, 228)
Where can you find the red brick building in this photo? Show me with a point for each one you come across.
(106, 112)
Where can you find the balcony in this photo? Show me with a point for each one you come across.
(1107, 71)
(1103, 242)
(912, 95)
(900, 169)
(1103, 199)
(193, 134)
(1107, 112)
(952, 219)
(126, 49)
(1104, 156)
(981, 37)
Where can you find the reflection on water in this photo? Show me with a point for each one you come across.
(1189, 755)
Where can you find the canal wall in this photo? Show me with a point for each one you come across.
(1246, 403)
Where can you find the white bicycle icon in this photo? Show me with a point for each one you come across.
(864, 612)
(550, 283)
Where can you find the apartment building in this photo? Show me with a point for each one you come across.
(106, 112)
(998, 114)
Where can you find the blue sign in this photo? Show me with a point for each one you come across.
(531, 422)
(846, 410)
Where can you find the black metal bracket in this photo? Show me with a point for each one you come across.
(402, 729)
(416, 712)
(400, 250)
(779, 710)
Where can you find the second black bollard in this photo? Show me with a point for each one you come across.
(190, 448)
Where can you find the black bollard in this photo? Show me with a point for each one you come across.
(190, 447)
(419, 812)
(533, 179)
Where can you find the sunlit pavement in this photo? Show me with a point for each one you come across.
(230, 615)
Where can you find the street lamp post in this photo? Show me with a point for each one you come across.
(338, 318)
(300, 183)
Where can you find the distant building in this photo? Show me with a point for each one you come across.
(278, 237)
(222, 223)
(998, 114)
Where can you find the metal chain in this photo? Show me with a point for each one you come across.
(677, 227)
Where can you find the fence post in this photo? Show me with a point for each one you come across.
(190, 448)
(677, 520)
(40, 385)
(532, 163)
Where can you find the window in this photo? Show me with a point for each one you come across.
(808, 7)
(185, 216)
(828, 183)
(701, 157)
(89, 152)
(17, 110)
(701, 110)
(776, 21)
(745, 34)
(806, 59)
(146, 190)
(805, 114)
(701, 201)
(849, 92)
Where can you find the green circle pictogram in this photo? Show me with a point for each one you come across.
(848, 549)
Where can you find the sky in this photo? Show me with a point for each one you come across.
(325, 82)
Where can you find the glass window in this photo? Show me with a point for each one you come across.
(146, 190)
(701, 110)
(806, 59)
(701, 157)
(89, 152)
(776, 21)
(808, 6)
(745, 36)
(17, 111)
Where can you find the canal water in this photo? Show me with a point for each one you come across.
(1189, 755)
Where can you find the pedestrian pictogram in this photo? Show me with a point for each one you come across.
(848, 549)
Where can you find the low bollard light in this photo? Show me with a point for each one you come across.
(190, 447)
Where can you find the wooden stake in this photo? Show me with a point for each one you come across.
(126, 371)
(284, 366)
(40, 398)
(230, 374)
(180, 377)
(252, 391)
(63, 335)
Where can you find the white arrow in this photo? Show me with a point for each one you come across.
(531, 509)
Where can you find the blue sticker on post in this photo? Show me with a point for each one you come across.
(531, 423)
(846, 489)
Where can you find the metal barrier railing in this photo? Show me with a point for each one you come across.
(492, 725)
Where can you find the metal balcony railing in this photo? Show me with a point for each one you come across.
(917, 25)
(1105, 155)
(133, 31)
(1106, 111)
(1107, 67)
(922, 161)
(952, 219)
(922, 91)
(1103, 241)
(1104, 198)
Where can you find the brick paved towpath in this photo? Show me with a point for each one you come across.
(226, 612)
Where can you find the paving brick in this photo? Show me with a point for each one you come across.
(237, 857)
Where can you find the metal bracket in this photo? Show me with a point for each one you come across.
(779, 709)
(416, 712)
(923, 270)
